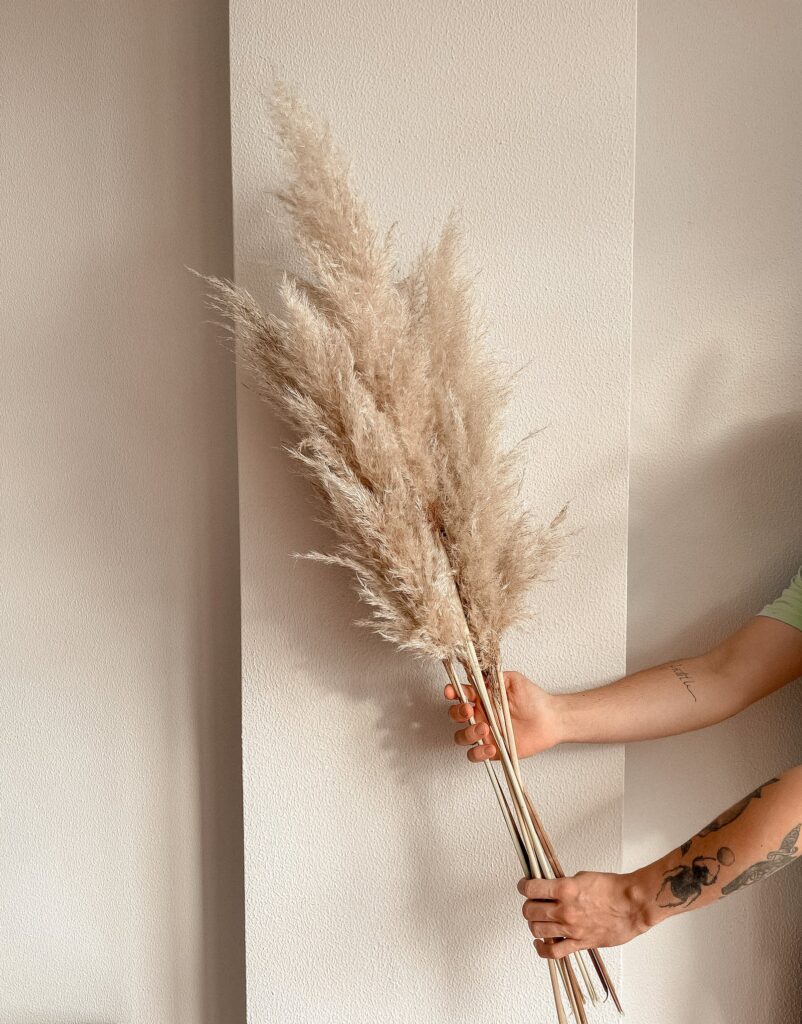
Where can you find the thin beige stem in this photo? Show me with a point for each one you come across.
(516, 767)
(605, 978)
(536, 855)
(526, 853)
(566, 971)
(586, 978)
(526, 829)
(515, 791)
(569, 968)
(502, 802)
(505, 707)
(595, 956)
(568, 976)
(572, 991)
(531, 840)
(531, 834)
(555, 988)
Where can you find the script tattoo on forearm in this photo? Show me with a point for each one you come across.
(684, 677)
(683, 884)
(775, 860)
(727, 816)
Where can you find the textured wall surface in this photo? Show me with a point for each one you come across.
(715, 473)
(120, 806)
(379, 881)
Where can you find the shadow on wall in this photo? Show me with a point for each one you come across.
(733, 500)
(729, 517)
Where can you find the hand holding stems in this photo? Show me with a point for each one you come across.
(590, 910)
(677, 697)
(749, 841)
(534, 712)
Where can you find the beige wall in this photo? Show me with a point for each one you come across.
(121, 838)
(120, 808)
(369, 840)
(715, 474)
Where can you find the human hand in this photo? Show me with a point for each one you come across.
(535, 719)
(590, 910)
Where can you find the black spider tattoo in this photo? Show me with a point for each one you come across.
(684, 883)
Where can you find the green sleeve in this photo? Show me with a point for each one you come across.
(788, 606)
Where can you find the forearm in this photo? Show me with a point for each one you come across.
(660, 701)
(743, 845)
(687, 694)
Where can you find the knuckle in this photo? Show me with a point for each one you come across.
(567, 889)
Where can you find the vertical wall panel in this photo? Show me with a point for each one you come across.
(379, 881)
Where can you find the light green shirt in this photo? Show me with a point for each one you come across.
(788, 606)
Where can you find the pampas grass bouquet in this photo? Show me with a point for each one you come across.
(395, 408)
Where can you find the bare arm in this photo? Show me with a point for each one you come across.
(743, 845)
(689, 693)
(680, 696)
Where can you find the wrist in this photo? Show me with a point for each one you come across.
(555, 719)
(640, 889)
(567, 717)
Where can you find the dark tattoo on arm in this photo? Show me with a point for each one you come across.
(684, 677)
(683, 884)
(727, 816)
(775, 860)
